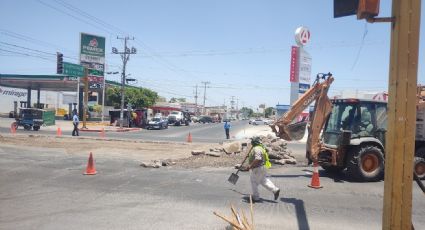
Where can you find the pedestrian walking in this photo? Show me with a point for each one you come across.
(75, 122)
(227, 129)
(258, 160)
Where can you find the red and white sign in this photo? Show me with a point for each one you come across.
(293, 76)
(302, 36)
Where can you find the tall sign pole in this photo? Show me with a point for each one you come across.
(400, 138)
(300, 68)
(125, 56)
(86, 97)
(92, 57)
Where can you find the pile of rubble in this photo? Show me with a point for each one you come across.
(229, 154)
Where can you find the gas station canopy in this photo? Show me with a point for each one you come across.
(55, 82)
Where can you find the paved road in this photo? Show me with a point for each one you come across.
(45, 189)
(210, 133)
(204, 133)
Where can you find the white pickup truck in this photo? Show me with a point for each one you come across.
(178, 118)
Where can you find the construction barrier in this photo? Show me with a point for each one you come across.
(189, 138)
(91, 169)
(315, 179)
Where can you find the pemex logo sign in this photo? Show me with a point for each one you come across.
(92, 48)
(92, 56)
(93, 42)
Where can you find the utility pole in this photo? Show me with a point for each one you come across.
(232, 106)
(400, 137)
(125, 56)
(205, 90)
(196, 100)
(237, 108)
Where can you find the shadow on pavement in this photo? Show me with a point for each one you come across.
(262, 200)
(290, 175)
(299, 211)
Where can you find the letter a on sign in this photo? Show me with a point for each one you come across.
(302, 36)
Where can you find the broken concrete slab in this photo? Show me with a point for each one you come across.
(278, 162)
(232, 147)
(154, 164)
(197, 152)
(291, 161)
(213, 154)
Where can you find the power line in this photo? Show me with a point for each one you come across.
(79, 19)
(26, 54)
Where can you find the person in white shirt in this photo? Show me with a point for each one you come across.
(75, 122)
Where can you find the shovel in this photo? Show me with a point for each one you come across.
(234, 177)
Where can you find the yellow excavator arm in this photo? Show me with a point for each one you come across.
(286, 129)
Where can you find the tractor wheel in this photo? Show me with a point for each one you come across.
(36, 128)
(366, 164)
(27, 127)
(419, 167)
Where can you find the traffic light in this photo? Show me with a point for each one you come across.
(59, 63)
(363, 8)
(367, 9)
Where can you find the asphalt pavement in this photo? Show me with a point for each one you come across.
(44, 188)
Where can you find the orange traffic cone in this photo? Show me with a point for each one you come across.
(315, 180)
(102, 133)
(189, 138)
(90, 170)
(13, 128)
(59, 132)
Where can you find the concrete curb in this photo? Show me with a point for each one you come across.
(96, 139)
(110, 130)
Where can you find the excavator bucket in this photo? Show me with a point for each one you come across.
(291, 132)
(296, 131)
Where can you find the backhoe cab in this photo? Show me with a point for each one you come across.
(354, 138)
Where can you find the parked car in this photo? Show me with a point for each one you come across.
(157, 123)
(205, 119)
(194, 119)
(251, 121)
(268, 121)
(259, 122)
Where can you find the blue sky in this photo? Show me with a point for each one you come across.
(241, 47)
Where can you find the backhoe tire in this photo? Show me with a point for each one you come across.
(366, 164)
(419, 167)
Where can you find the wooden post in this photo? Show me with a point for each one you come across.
(400, 139)
(86, 97)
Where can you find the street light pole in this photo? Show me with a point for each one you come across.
(103, 97)
(125, 56)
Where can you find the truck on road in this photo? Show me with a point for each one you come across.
(178, 118)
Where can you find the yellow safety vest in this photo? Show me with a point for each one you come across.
(266, 159)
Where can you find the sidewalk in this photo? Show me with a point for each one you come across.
(67, 126)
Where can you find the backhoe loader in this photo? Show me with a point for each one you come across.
(348, 134)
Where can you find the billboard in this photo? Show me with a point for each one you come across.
(92, 56)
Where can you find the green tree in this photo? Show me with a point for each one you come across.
(175, 100)
(247, 112)
(268, 112)
(137, 97)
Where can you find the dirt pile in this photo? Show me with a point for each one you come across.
(231, 154)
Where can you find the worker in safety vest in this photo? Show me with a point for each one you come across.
(258, 160)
